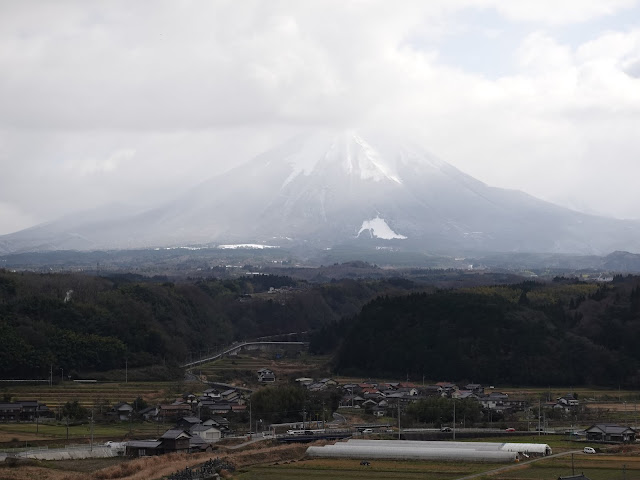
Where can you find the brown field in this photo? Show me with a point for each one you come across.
(630, 408)
(91, 394)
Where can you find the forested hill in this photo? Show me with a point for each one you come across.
(84, 323)
(563, 333)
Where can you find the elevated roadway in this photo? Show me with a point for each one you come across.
(236, 347)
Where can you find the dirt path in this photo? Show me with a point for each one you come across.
(517, 465)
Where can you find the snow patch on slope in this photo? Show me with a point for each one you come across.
(378, 228)
(371, 163)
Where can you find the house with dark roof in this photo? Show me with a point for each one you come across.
(197, 444)
(143, 448)
(229, 395)
(174, 411)
(475, 388)
(10, 412)
(212, 392)
(175, 440)
(149, 413)
(122, 410)
(610, 432)
(266, 376)
(569, 400)
(187, 422)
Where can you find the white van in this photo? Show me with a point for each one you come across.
(589, 450)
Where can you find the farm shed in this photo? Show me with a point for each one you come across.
(409, 452)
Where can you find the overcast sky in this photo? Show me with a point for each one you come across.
(133, 102)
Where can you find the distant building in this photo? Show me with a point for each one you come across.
(610, 432)
(266, 376)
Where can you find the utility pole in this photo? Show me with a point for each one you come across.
(573, 469)
(50, 374)
(399, 427)
(91, 447)
(126, 370)
(454, 419)
(539, 417)
(249, 414)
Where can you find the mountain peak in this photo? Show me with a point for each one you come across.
(331, 188)
(346, 152)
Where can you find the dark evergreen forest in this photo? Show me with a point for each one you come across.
(562, 333)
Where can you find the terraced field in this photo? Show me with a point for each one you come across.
(93, 394)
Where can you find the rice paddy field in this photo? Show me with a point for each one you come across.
(99, 396)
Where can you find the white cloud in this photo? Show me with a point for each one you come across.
(92, 166)
(558, 12)
(14, 219)
(117, 100)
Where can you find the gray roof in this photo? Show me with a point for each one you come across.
(202, 428)
(197, 442)
(144, 443)
(610, 428)
(174, 433)
(194, 420)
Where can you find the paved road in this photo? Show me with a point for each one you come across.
(516, 465)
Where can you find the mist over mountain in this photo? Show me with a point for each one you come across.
(328, 189)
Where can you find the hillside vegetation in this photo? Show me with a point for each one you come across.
(82, 323)
(562, 333)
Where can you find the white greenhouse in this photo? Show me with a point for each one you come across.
(344, 450)
(429, 450)
(525, 448)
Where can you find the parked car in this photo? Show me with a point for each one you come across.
(510, 429)
(367, 430)
(589, 450)
(445, 429)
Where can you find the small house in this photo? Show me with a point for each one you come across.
(175, 440)
(266, 376)
(123, 411)
(610, 432)
(208, 433)
(143, 448)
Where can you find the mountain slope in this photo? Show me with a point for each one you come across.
(326, 189)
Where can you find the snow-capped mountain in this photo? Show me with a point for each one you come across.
(326, 189)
